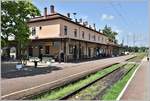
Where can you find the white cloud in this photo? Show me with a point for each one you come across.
(107, 17)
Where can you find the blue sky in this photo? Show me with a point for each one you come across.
(129, 19)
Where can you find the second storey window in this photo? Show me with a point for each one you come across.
(33, 31)
(106, 40)
(75, 32)
(102, 39)
(83, 34)
(94, 37)
(89, 36)
(98, 38)
(65, 30)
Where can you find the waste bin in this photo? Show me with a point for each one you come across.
(19, 66)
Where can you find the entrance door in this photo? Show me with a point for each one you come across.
(75, 52)
(30, 51)
(40, 50)
(89, 52)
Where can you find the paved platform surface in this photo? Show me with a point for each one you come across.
(15, 88)
(139, 87)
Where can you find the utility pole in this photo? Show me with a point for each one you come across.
(122, 41)
(134, 40)
(127, 39)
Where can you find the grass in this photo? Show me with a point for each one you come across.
(93, 89)
(138, 57)
(62, 91)
(114, 91)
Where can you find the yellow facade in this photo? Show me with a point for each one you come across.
(57, 33)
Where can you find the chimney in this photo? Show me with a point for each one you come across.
(80, 20)
(45, 11)
(86, 23)
(68, 15)
(33, 16)
(99, 30)
(94, 26)
(83, 23)
(76, 20)
(52, 9)
(90, 26)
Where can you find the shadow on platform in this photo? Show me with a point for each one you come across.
(27, 71)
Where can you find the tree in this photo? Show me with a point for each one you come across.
(109, 33)
(14, 15)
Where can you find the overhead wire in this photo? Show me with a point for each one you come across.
(125, 22)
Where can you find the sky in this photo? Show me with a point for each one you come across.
(127, 17)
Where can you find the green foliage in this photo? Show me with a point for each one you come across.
(135, 49)
(62, 91)
(112, 35)
(14, 16)
(138, 57)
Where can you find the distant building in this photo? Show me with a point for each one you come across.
(54, 33)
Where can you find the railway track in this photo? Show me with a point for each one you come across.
(72, 93)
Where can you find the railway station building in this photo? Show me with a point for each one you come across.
(54, 33)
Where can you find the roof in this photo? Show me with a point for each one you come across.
(56, 38)
(59, 16)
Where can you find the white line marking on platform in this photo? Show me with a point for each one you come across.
(127, 84)
(46, 83)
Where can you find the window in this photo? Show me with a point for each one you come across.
(40, 27)
(82, 52)
(65, 30)
(98, 38)
(30, 51)
(83, 34)
(46, 49)
(105, 40)
(56, 44)
(75, 32)
(94, 37)
(89, 36)
(70, 49)
(33, 31)
(102, 39)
